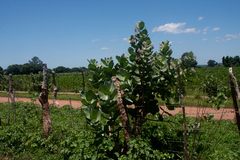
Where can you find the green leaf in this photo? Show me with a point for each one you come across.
(128, 99)
(148, 42)
(92, 67)
(113, 109)
(84, 102)
(123, 62)
(102, 96)
(130, 50)
(104, 89)
(104, 61)
(89, 95)
(132, 57)
(141, 25)
(113, 96)
(110, 66)
(110, 86)
(87, 112)
(104, 107)
(123, 86)
(94, 114)
(144, 32)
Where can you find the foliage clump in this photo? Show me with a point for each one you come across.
(138, 80)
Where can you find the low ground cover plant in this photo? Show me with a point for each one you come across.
(160, 137)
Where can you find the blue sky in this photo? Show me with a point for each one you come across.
(67, 33)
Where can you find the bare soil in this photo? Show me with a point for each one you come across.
(223, 113)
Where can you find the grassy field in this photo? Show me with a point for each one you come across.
(25, 139)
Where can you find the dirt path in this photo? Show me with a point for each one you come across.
(190, 111)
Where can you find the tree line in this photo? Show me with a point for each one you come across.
(227, 61)
(35, 66)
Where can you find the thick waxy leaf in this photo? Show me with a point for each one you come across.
(92, 67)
(113, 96)
(102, 96)
(89, 95)
(110, 66)
(132, 57)
(104, 62)
(95, 115)
(144, 32)
(141, 25)
(110, 86)
(104, 89)
(123, 86)
(104, 107)
(84, 102)
(130, 50)
(107, 71)
(113, 109)
(148, 42)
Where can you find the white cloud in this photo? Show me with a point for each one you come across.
(204, 39)
(232, 35)
(217, 40)
(205, 30)
(125, 39)
(228, 39)
(175, 28)
(96, 40)
(104, 48)
(113, 40)
(200, 18)
(216, 28)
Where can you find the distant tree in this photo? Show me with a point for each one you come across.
(223, 60)
(236, 61)
(14, 69)
(61, 69)
(35, 61)
(49, 70)
(84, 69)
(75, 69)
(36, 65)
(226, 61)
(211, 63)
(189, 62)
(1, 70)
(231, 61)
(27, 68)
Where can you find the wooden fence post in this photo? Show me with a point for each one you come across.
(203, 89)
(55, 103)
(234, 96)
(43, 99)
(71, 110)
(184, 116)
(8, 110)
(123, 115)
(11, 94)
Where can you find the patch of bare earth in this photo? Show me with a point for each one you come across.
(225, 113)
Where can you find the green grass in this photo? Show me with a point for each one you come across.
(25, 139)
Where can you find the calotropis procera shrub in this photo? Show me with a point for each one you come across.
(138, 80)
